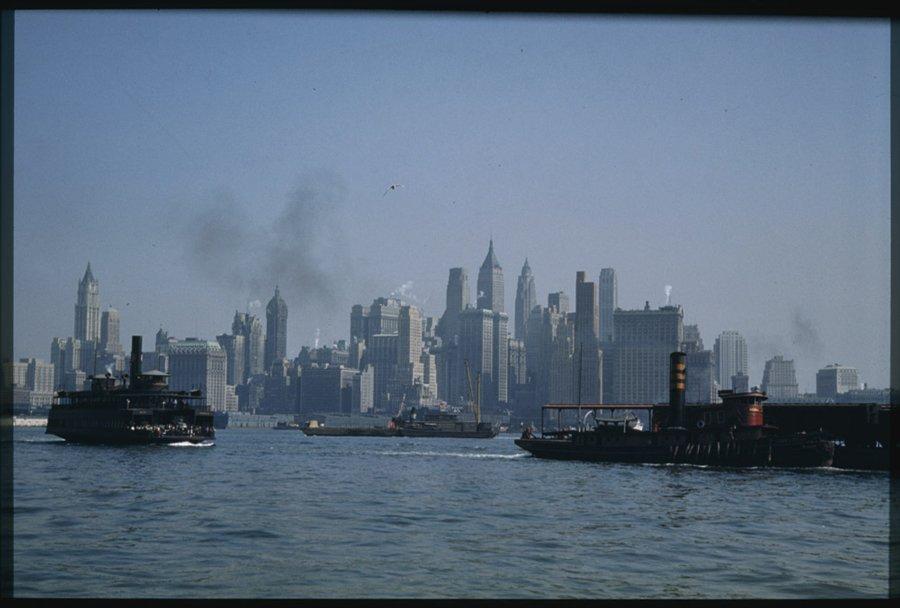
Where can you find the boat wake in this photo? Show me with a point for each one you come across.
(188, 444)
(454, 455)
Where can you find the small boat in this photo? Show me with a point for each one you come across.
(282, 425)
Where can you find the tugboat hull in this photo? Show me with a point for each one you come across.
(662, 448)
(730, 454)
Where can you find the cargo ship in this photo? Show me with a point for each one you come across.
(433, 424)
(731, 434)
(136, 409)
(312, 428)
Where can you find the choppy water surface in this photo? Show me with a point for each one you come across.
(278, 514)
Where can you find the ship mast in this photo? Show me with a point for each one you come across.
(580, 353)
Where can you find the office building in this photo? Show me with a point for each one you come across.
(490, 283)
(109, 332)
(526, 299)
(609, 301)
(381, 355)
(276, 330)
(780, 380)
(731, 357)
(589, 379)
(251, 328)
(560, 301)
(234, 354)
(195, 363)
(643, 341)
(456, 301)
(836, 379)
(327, 389)
(476, 344)
(87, 308)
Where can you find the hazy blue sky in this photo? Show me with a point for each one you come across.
(196, 158)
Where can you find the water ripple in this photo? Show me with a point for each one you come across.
(266, 514)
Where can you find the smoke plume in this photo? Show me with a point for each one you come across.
(804, 335)
(228, 245)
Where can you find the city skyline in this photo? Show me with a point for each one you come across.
(751, 177)
(108, 336)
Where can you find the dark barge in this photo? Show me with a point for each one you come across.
(141, 411)
(434, 424)
(732, 434)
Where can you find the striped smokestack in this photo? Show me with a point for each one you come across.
(677, 374)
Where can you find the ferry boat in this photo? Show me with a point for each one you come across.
(140, 411)
(731, 434)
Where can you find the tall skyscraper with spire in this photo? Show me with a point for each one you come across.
(87, 308)
(526, 299)
(276, 330)
(490, 282)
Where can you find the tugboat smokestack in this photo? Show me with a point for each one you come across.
(135, 359)
(677, 375)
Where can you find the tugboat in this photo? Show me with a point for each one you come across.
(731, 434)
(141, 411)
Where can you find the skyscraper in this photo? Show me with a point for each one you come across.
(517, 366)
(526, 299)
(199, 364)
(533, 345)
(109, 331)
(490, 282)
(276, 330)
(643, 341)
(409, 346)
(833, 380)
(499, 359)
(780, 380)
(587, 348)
(609, 301)
(87, 308)
(383, 318)
(476, 342)
(234, 356)
(559, 346)
(250, 327)
(731, 357)
(560, 301)
(381, 354)
(457, 300)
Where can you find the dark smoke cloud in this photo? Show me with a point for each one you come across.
(804, 335)
(228, 246)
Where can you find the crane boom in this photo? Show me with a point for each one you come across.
(469, 386)
(478, 398)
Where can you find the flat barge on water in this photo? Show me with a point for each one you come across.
(141, 411)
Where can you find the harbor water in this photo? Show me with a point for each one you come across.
(278, 514)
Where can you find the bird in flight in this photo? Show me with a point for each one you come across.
(392, 187)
